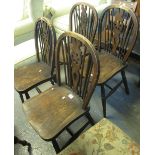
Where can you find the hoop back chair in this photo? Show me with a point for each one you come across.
(83, 19)
(30, 76)
(118, 29)
(54, 110)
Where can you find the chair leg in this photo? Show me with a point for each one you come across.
(69, 131)
(24, 143)
(27, 95)
(103, 97)
(76, 135)
(53, 80)
(92, 122)
(125, 81)
(21, 97)
(55, 145)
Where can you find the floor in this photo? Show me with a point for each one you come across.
(122, 109)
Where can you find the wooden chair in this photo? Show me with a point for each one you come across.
(54, 110)
(30, 76)
(118, 30)
(83, 19)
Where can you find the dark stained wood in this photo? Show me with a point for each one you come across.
(76, 53)
(30, 76)
(24, 143)
(54, 110)
(109, 66)
(45, 41)
(122, 3)
(119, 28)
(84, 20)
(49, 112)
(138, 8)
(118, 31)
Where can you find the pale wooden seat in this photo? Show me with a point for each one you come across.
(30, 76)
(54, 110)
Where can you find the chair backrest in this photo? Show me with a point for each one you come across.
(80, 67)
(84, 20)
(118, 30)
(45, 41)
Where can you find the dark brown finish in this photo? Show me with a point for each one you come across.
(30, 76)
(54, 110)
(138, 8)
(118, 30)
(24, 143)
(84, 20)
(132, 5)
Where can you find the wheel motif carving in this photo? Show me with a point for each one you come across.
(117, 29)
(44, 40)
(83, 21)
(76, 62)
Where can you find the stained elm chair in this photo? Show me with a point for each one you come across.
(54, 110)
(83, 19)
(118, 30)
(30, 76)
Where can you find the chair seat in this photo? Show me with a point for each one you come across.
(52, 110)
(109, 66)
(27, 76)
(103, 138)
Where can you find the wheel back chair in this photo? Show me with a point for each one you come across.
(118, 29)
(54, 110)
(83, 19)
(30, 76)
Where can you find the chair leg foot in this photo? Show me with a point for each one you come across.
(89, 117)
(56, 146)
(125, 81)
(53, 80)
(103, 97)
(27, 95)
(21, 97)
(24, 143)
